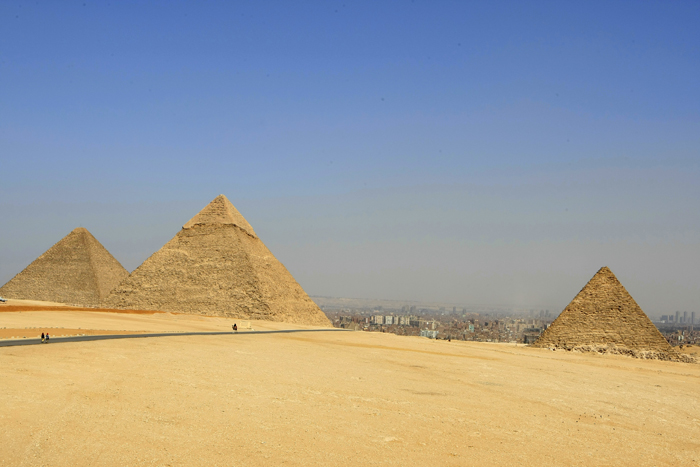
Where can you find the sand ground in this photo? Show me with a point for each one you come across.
(339, 398)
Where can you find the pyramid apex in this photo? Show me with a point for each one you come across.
(220, 211)
(605, 272)
(80, 230)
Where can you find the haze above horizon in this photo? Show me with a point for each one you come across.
(494, 153)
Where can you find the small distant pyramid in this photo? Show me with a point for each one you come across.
(77, 270)
(217, 266)
(604, 314)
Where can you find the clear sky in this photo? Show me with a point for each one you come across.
(474, 152)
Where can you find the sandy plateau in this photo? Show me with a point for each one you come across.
(328, 398)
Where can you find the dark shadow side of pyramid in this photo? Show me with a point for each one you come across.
(216, 265)
(604, 317)
(77, 270)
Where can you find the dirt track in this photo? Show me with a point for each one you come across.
(10, 308)
(17, 333)
(333, 399)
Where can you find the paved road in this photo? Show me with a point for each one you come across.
(60, 340)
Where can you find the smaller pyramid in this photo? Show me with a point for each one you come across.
(77, 270)
(604, 314)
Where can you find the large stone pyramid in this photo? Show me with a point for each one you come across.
(604, 315)
(217, 266)
(78, 270)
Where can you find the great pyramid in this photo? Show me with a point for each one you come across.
(217, 266)
(77, 270)
(605, 316)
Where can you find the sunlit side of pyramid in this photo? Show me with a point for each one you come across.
(77, 270)
(217, 266)
(604, 314)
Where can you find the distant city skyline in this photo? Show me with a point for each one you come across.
(477, 154)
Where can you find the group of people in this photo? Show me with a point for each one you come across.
(45, 339)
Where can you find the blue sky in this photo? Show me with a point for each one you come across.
(479, 153)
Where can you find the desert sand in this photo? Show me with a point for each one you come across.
(330, 398)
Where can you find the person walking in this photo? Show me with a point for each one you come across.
(235, 327)
(47, 337)
(42, 337)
